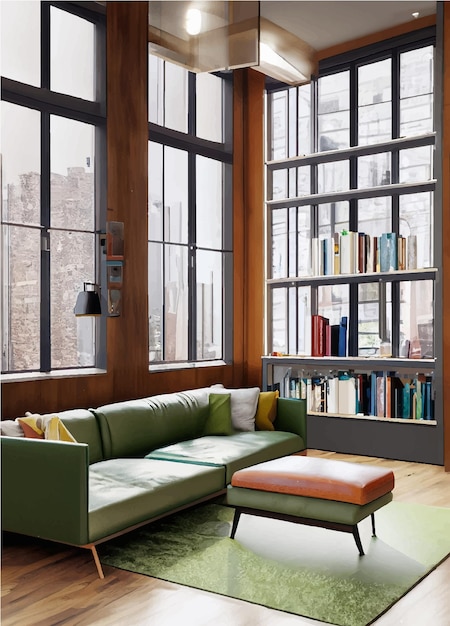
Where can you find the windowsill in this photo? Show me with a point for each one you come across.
(70, 373)
(164, 367)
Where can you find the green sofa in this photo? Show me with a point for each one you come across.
(133, 462)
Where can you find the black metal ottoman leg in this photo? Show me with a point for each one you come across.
(237, 515)
(374, 534)
(358, 540)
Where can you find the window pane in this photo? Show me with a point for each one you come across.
(209, 106)
(155, 89)
(304, 119)
(279, 320)
(333, 111)
(279, 243)
(209, 203)
(175, 195)
(416, 164)
(72, 262)
(176, 303)
(333, 176)
(209, 305)
(416, 91)
(175, 98)
(374, 102)
(279, 102)
(20, 164)
(279, 184)
(333, 302)
(155, 191)
(416, 223)
(72, 174)
(375, 216)
(72, 46)
(21, 298)
(374, 170)
(155, 300)
(417, 319)
(20, 52)
(374, 330)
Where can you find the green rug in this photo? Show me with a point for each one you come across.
(307, 571)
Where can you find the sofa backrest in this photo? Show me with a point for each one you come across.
(83, 425)
(136, 427)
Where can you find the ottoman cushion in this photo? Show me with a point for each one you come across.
(317, 478)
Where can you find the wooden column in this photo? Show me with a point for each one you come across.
(127, 137)
(253, 224)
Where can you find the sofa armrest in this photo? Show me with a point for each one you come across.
(45, 489)
(291, 416)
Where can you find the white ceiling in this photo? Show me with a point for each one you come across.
(325, 23)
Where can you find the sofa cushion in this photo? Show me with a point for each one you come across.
(218, 421)
(243, 405)
(266, 412)
(124, 492)
(83, 425)
(135, 427)
(234, 451)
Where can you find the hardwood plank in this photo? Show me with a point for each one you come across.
(45, 584)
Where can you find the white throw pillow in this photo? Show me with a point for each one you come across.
(244, 403)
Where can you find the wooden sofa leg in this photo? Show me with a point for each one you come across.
(97, 560)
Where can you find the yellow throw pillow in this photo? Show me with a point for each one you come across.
(267, 410)
(45, 427)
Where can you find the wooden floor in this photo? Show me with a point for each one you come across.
(45, 584)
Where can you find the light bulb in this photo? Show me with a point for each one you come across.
(193, 21)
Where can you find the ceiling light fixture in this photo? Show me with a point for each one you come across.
(220, 35)
(193, 21)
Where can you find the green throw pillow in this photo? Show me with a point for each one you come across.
(218, 421)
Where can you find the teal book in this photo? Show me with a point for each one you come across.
(388, 252)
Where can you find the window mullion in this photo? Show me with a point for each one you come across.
(45, 334)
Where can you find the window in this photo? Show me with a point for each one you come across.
(52, 204)
(360, 143)
(189, 216)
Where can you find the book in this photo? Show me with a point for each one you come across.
(347, 394)
(388, 252)
(346, 252)
(337, 254)
(332, 395)
(318, 335)
(342, 346)
(411, 252)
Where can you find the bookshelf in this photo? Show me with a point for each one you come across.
(407, 436)
(377, 399)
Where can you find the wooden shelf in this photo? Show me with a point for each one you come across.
(428, 273)
(374, 418)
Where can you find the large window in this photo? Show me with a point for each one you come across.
(52, 203)
(189, 215)
(352, 153)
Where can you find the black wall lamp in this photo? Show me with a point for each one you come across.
(88, 301)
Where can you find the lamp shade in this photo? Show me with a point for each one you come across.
(88, 302)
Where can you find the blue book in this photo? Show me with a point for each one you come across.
(342, 348)
(427, 402)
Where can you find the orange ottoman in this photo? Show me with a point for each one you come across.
(314, 491)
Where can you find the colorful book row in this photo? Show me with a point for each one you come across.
(351, 252)
(378, 394)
